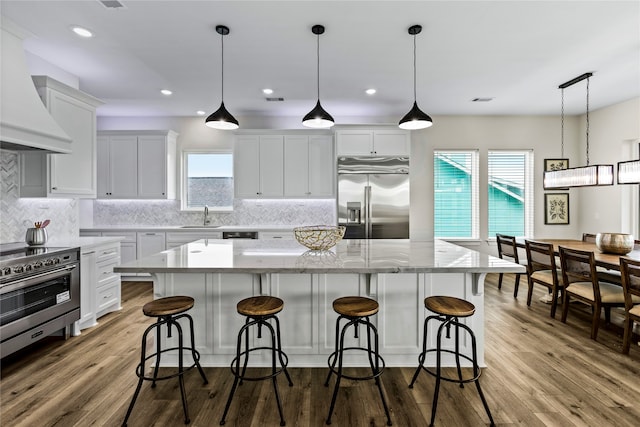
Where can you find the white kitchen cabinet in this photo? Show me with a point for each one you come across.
(179, 238)
(128, 246)
(87, 289)
(137, 164)
(276, 235)
(150, 242)
(373, 142)
(309, 166)
(63, 175)
(117, 167)
(258, 166)
(99, 285)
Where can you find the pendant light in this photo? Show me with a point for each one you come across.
(629, 172)
(318, 117)
(415, 118)
(222, 119)
(584, 176)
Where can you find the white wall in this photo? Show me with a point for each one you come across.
(614, 133)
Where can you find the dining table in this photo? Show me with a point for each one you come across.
(603, 260)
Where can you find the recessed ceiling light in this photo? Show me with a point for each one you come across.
(370, 91)
(166, 92)
(81, 31)
(200, 113)
(267, 91)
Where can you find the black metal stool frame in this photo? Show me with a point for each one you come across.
(447, 322)
(276, 349)
(374, 360)
(168, 320)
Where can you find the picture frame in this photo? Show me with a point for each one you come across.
(555, 164)
(556, 208)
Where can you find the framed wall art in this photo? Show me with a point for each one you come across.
(555, 164)
(556, 208)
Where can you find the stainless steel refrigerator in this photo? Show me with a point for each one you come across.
(373, 197)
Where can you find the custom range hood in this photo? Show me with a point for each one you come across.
(25, 123)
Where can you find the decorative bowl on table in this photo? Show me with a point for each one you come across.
(319, 237)
(614, 243)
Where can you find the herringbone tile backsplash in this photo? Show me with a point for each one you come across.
(17, 214)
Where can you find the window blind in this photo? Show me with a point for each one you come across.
(455, 194)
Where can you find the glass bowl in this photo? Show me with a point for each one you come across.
(319, 237)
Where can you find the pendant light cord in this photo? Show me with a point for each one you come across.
(222, 66)
(562, 126)
(587, 133)
(414, 69)
(318, 64)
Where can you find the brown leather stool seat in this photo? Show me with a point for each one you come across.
(447, 311)
(168, 311)
(259, 310)
(356, 311)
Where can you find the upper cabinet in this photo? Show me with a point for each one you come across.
(258, 166)
(63, 175)
(308, 166)
(276, 166)
(137, 164)
(373, 142)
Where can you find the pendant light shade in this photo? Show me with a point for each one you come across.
(629, 172)
(318, 117)
(221, 118)
(584, 176)
(415, 118)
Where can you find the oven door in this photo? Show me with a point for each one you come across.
(34, 300)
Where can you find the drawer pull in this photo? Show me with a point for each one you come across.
(107, 296)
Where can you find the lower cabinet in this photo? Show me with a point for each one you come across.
(99, 285)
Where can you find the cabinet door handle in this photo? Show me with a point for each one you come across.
(88, 253)
(54, 188)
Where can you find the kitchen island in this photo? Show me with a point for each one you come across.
(399, 274)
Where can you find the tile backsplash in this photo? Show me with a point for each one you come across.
(17, 214)
(290, 212)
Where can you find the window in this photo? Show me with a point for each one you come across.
(455, 180)
(510, 193)
(207, 179)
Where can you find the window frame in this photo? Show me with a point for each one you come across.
(185, 179)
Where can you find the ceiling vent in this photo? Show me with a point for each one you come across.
(275, 99)
(482, 99)
(112, 4)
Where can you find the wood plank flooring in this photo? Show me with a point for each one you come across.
(540, 373)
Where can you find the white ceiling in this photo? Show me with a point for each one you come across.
(514, 51)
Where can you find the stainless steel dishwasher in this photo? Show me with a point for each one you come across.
(239, 234)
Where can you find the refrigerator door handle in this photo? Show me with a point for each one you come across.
(367, 204)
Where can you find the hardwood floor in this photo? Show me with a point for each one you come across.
(540, 373)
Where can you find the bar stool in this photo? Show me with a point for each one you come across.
(356, 310)
(168, 311)
(448, 310)
(258, 310)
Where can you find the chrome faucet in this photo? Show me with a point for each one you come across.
(207, 221)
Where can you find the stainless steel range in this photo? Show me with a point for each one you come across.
(39, 293)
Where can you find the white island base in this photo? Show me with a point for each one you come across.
(308, 321)
(399, 274)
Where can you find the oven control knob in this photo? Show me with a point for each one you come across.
(48, 262)
(6, 271)
(37, 264)
(18, 269)
(56, 260)
(27, 267)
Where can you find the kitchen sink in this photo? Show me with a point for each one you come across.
(200, 226)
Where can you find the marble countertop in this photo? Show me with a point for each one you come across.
(189, 228)
(349, 256)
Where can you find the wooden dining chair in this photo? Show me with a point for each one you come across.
(630, 270)
(588, 237)
(542, 269)
(581, 282)
(507, 249)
